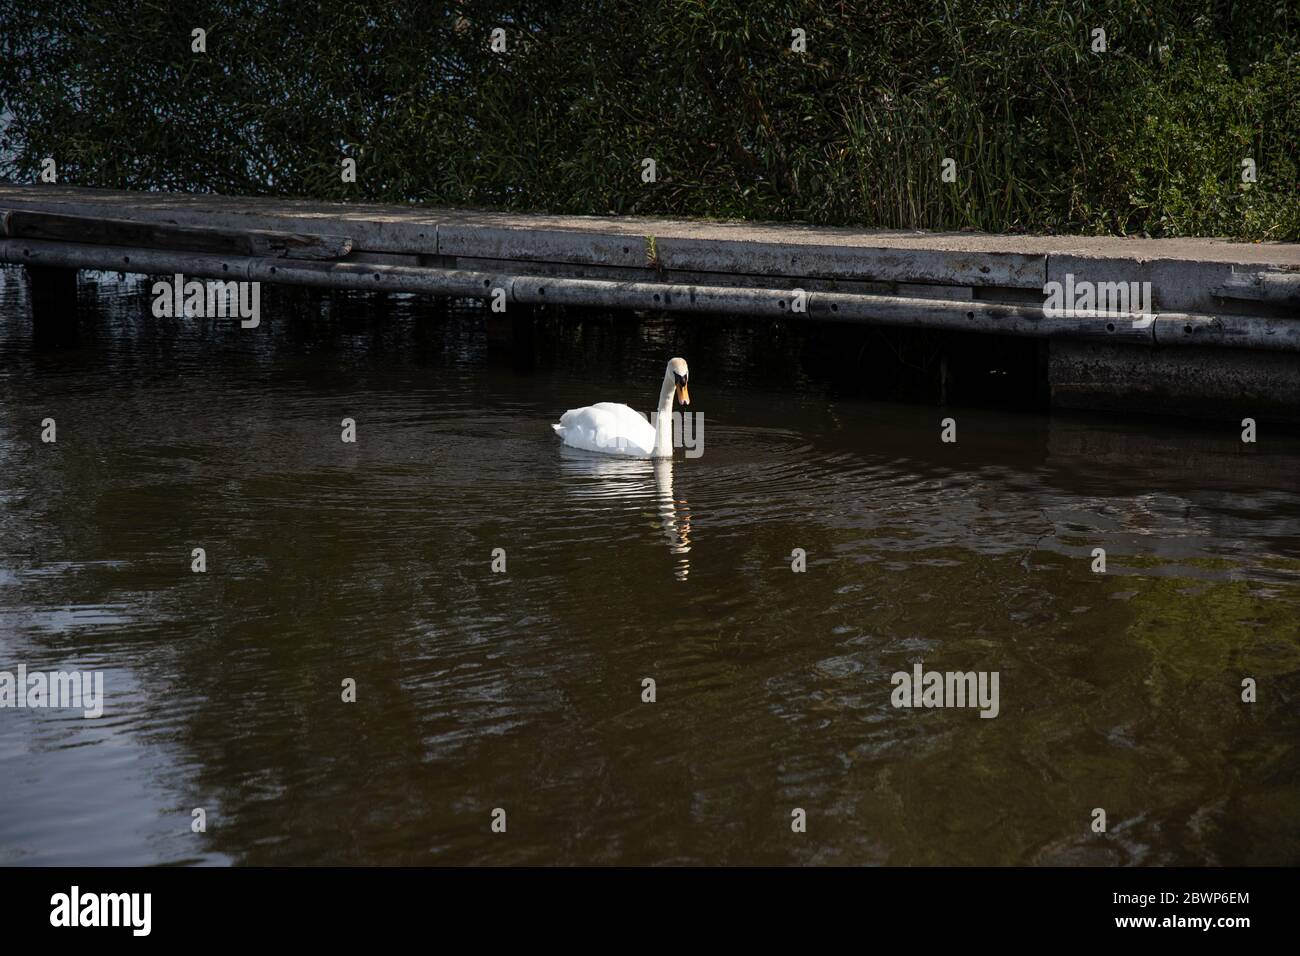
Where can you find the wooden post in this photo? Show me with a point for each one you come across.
(511, 333)
(53, 293)
(501, 328)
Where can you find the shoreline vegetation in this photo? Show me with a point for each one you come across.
(1038, 129)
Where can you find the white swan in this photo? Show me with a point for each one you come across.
(618, 430)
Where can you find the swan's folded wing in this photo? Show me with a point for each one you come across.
(606, 427)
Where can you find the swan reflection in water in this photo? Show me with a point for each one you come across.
(636, 479)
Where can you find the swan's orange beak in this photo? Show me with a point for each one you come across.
(683, 395)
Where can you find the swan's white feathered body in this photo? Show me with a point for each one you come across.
(615, 429)
(609, 428)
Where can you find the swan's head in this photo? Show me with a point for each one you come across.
(681, 375)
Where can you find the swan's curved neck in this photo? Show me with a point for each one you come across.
(664, 420)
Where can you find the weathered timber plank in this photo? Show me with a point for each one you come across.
(1280, 287)
(61, 227)
(1182, 329)
(411, 228)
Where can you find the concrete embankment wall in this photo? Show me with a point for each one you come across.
(1222, 337)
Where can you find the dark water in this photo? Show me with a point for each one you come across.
(476, 690)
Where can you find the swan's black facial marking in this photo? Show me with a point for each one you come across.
(681, 379)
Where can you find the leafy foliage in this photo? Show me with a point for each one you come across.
(1047, 135)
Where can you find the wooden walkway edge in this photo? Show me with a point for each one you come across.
(1204, 292)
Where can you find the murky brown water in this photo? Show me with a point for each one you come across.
(523, 691)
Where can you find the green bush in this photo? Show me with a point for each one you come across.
(1048, 136)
